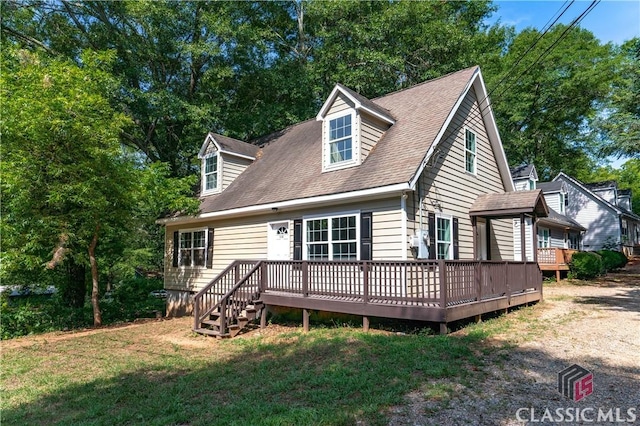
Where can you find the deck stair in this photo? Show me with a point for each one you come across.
(230, 301)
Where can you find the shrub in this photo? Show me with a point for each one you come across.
(586, 265)
(132, 299)
(612, 260)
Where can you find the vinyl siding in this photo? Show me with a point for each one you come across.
(232, 167)
(341, 104)
(447, 188)
(517, 250)
(553, 201)
(371, 130)
(247, 238)
(521, 184)
(601, 222)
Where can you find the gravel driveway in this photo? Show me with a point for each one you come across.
(593, 324)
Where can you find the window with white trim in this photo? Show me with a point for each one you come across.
(340, 139)
(544, 240)
(574, 241)
(563, 202)
(444, 237)
(332, 238)
(193, 248)
(470, 150)
(210, 174)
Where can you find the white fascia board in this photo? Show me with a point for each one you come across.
(297, 203)
(203, 148)
(235, 154)
(357, 105)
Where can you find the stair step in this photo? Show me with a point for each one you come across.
(212, 322)
(209, 332)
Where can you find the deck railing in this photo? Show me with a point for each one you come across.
(416, 283)
(555, 256)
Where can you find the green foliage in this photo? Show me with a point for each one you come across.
(543, 114)
(35, 314)
(132, 299)
(612, 260)
(586, 265)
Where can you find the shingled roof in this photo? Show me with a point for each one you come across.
(289, 166)
(510, 204)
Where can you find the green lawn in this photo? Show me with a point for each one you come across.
(159, 373)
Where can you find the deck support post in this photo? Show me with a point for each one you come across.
(305, 320)
(263, 317)
(443, 328)
(478, 318)
(365, 324)
(558, 275)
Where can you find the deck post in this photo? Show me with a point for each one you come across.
(305, 320)
(223, 317)
(365, 282)
(365, 324)
(523, 242)
(477, 275)
(478, 318)
(196, 314)
(442, 272)
(263, 317)
(305, 278)
(443, 328)
(263, 276)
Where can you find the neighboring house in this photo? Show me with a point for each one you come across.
(554, 231)
(605, 212)
(391, 179)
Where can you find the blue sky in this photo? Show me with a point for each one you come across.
(610, 21)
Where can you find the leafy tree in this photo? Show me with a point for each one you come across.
(546, 102)
(620, 121)
(64, 179)
(627, 176)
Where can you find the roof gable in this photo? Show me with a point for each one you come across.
(359, 102)
(525, 171)
(287, 171)
(227, 145)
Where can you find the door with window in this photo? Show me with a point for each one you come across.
(278, 241)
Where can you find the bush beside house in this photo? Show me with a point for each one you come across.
(586, 265)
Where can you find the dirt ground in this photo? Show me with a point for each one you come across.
(593, 324)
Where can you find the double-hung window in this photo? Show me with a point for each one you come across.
(543, 238)
(193, 245)
(470, 151)
(340, 140)
(211, 173)
(332, 238)
(444, 237)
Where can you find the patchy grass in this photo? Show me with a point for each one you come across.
(161, 374)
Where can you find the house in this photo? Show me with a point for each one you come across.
(360, 203)
(556, 236)
(603, 210)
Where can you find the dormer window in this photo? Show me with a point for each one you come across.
(210, 174)
(340, 140)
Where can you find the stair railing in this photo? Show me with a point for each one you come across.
(236, 300)
(204, 302)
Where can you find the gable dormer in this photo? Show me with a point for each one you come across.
(525, 177)
(222, 160)
(351, 126)
(556, 194)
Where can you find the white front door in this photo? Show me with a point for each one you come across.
(278, 243)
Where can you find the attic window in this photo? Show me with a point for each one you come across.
(470, 151)
(340, 140)
(210, 174)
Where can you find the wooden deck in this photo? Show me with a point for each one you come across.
(435, 291)
(555, 259)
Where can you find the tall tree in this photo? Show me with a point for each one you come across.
(544, 101)
(619, 121)
(64, 179)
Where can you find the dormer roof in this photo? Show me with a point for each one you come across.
(360, 102)
(227, 145)
(553, 186)
(524, 171)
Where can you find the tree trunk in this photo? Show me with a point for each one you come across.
(97, 316)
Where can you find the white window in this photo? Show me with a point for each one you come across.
(444, 237)
(574, 241)
(193, 248)
(532, 184)
(470, 151)
(332, 238)
(210, 174)
(340, 139)
(563, 202)
(543, 238)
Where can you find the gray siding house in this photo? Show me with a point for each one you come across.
(389, 179)
(604, 211)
